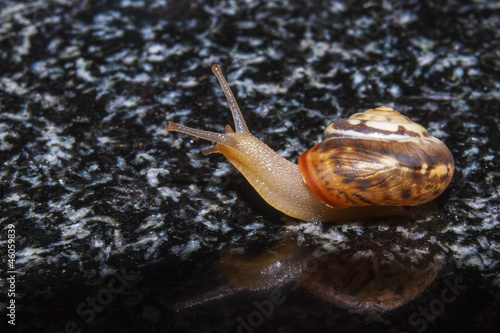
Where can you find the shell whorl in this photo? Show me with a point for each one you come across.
(378, 157)
(382, 122)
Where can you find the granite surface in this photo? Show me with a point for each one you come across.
(120, 226)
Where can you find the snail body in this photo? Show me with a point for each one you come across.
(369, 165)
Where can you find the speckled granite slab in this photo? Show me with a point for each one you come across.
(117, 225)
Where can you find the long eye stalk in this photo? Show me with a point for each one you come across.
(239, 121)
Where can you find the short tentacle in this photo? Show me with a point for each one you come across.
(206, 135)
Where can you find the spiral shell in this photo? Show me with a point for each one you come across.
(378, 157)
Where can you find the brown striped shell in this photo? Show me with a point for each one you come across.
(378, 157)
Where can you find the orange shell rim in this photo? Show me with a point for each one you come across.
(306, 175)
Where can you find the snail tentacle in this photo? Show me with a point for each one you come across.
(201, 134)
(239, 121)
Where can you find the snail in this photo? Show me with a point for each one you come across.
(372, 164)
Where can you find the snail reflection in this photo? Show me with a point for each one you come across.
(367, 166)
(360, 275)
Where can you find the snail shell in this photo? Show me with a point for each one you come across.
(378, 157)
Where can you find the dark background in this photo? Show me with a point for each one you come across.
(98, 191)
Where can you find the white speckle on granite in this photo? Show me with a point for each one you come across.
(75, 216)
(223, 169)
(435, 129)
(30, 255)
(105, 140)
(144, 157)
(70, 52)
(22, 40)
(167, 192)
(130, 3)
(170, 98)
(153, 222)
(185, 250)
(410, 234)
(11, 86)
(476, 203)
(395, 91)
(188, 82)
(157, 52)
(76, 230)
(101, 219)
(13, 197)
(141, 78)
(155, 48)
(358, 78)
(5, 135)
(81, 70)
(253, 227)
(159, 240)
(335, 237)
(152, 175)
(319, 49)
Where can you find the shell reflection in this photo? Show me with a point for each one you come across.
(359, 276)
(367, 281)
